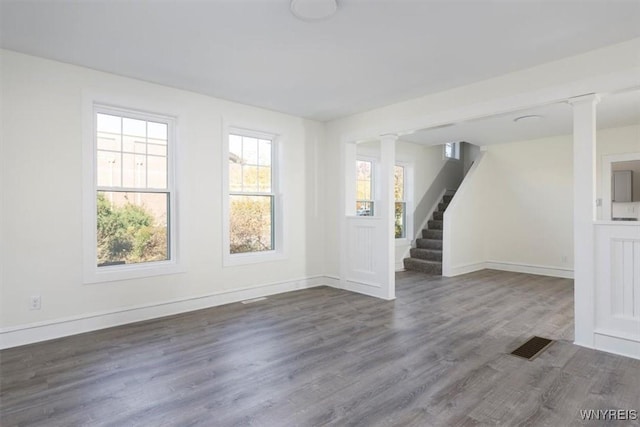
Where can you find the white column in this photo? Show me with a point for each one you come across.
(387, 208)
(584, 213)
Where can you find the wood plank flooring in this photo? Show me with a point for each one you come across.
(436, 356)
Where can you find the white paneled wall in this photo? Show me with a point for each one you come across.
(618, 288)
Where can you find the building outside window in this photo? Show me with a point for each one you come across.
(400, 203)
(252, 197)
(364, 188)
(134, 187)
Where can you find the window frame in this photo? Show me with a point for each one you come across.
(403, 201)
(456, 151)
(277, 223)
(92, 273)
(374, 196)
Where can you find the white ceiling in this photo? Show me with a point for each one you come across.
(616, 110)
(371, 53)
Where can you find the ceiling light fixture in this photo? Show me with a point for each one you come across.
(529, 118)
(313, 10)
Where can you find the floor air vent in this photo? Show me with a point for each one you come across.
(532, 348)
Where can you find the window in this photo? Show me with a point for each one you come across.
(252, 199)
(133, 191)
(400, 203)
(452, 150)
(364, 188)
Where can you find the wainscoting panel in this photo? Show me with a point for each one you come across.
(617, 287)
(365, 235)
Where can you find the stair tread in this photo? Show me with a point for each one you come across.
(424, 261)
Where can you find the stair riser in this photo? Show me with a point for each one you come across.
(426, 254)
(442, 207)
(438, 216)
(432, 234)
(429, 244)
(416, 265)
(447, 199)
(435, 225)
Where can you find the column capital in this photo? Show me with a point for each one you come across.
(592, 98)
(392, 137)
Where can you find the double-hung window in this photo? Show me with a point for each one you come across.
(364, 188)
(252, 196)
(400, 223)
(134, 196)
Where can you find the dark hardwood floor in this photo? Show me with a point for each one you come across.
(436, 356)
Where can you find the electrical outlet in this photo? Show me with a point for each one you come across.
(35, 303)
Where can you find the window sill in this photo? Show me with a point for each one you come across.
(232, 260)
(114, 273)
(403, 242)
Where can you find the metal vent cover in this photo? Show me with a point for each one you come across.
(532, 348)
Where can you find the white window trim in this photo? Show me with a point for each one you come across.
(91, 272)
(279, 253)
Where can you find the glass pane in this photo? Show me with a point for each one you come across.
(251, 224)
(134, 127)
(235, 177)
(250, 151)
(132, 228)
(264, 179)
(109, 141)
(157, 132)
(108, 169)
(363, 170)
(129, 143)
(140, 147)
(128, 170)
(264, 152)
(250, 179)
(364, 208)
(235, 148)
(158, 150)
(400, 220)
(141, 172)
(363, 190)
(156, 172)
(108, 124)
(398, 183)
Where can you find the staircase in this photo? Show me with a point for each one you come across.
(427, 255)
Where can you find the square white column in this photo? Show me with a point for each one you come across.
(584, 214)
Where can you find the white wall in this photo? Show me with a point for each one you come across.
(532, 204)
(41, 177)
(466, 221)
(514, 210)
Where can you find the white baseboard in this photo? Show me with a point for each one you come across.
(613, 342)
(47, 330)
(463, 269)
(564, 273)
(368, 289)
